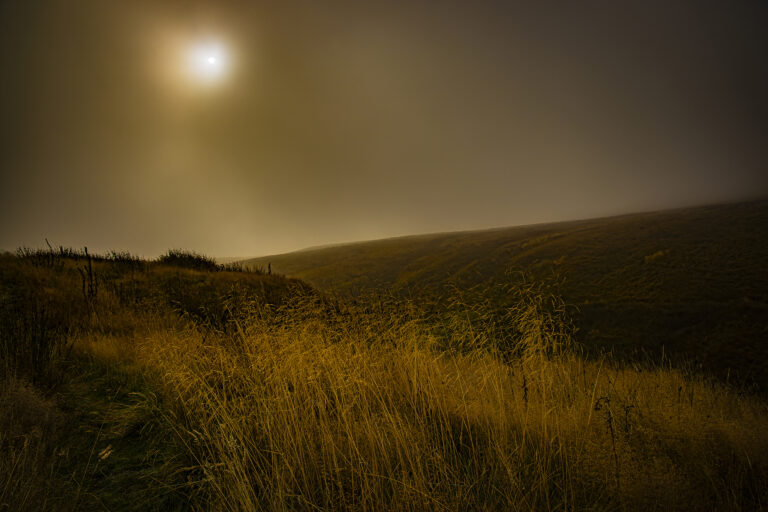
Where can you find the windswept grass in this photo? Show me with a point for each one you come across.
(292, 400)
(329, 415)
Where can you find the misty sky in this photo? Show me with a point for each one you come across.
(350, 120)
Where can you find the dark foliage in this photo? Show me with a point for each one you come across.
(189, 259)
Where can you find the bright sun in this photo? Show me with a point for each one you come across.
(207, 62)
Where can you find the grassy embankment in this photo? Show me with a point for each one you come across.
(130, 385)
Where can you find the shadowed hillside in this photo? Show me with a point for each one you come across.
(692, 281)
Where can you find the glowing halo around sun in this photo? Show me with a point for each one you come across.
(207, 62)
(193, 64)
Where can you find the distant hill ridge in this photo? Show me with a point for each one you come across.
(693, 280)
(390, 262)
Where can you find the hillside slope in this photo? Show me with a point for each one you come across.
(693, 281)
(182, 385)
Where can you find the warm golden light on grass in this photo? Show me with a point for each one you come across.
(197, 386)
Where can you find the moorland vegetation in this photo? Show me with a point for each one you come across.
(177, 384)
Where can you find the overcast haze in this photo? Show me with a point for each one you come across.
(342, 121)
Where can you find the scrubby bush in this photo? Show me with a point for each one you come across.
(189, 259)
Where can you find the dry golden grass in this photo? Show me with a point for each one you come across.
(332, 415)
(29, 436)
(181, 395)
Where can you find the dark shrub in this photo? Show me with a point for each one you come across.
(189, 259)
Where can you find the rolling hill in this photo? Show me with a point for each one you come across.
(691, 282)
(183, 384)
